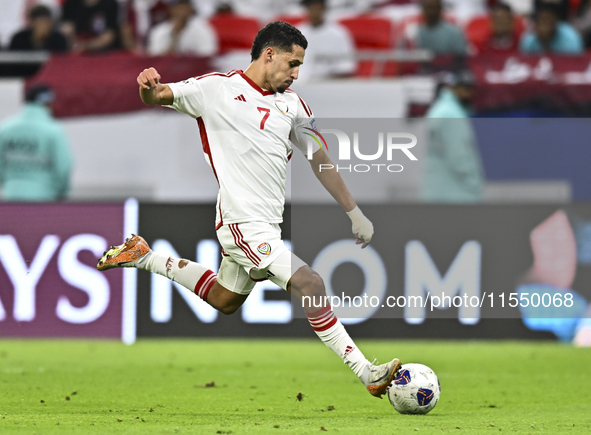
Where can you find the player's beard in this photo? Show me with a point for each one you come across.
(281, 89)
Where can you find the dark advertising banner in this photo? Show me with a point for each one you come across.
(479, 272)
(430, 271)
(165, 309)
(468, 263)
(49, 286)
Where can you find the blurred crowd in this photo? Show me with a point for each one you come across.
(336, 28)
(337, 31)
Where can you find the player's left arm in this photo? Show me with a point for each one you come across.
(331, 180)
(327, 174)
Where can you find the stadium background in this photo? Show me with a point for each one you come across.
(127, 352)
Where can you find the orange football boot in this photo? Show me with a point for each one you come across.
(124, 255)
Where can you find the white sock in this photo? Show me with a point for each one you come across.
(331, 331)
(191, 275)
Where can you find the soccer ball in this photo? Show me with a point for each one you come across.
(415, 390)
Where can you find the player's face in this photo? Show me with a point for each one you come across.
(284, 68)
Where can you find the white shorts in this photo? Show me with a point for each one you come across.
(253, 252)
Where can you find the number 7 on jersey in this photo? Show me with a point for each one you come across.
(265, 117)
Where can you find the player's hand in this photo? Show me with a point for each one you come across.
(362, 227)
(148, 78)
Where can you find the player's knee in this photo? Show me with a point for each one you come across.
(313, 285)
(228, 309)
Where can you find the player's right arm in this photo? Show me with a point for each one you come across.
(153, 92)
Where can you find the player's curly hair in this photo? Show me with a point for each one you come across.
(277, 34)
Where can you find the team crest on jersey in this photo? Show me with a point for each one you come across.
(282, 106)
(264, 248)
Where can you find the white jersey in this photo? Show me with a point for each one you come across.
(246, 133)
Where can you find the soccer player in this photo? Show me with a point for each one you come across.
(246, 121)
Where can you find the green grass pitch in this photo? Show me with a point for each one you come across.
(160, 387)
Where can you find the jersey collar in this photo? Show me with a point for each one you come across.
(262, 91)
